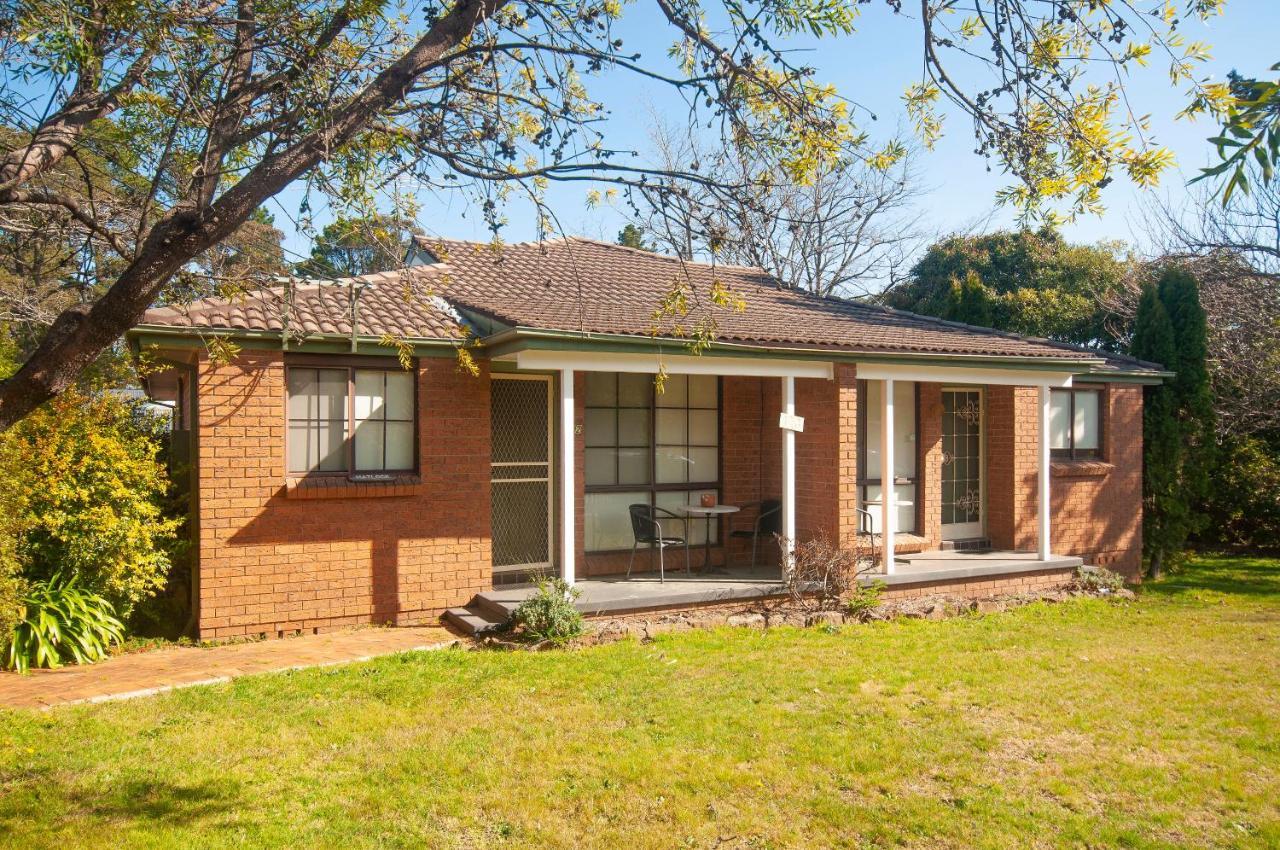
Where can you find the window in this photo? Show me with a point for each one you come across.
(1075, 424)
(870, 475)
(348, 420)
(644, 446)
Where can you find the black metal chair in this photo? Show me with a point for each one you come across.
(767, 522)
(646, 529)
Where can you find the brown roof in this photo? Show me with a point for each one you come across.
(578, 284)
(582, 285)
(394, 303)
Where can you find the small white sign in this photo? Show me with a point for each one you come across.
(791, 422)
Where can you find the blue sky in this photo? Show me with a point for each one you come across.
(873, 67)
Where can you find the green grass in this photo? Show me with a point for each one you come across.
(1081, 724)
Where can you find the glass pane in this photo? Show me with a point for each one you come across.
(675, 392)
(601, 427)
(606, 523)
(702, 391)
(633, 466)
(1059, 420)
(601, 466)
(399, 445)
(369, 398)
(906, 507)
(904, 429)
(702, 465)
(704, 428)
(601, 389)
(634, 389)
(301, 447)
(671, 467)
(633, 427)
(672, 427)
(332, 391)
(331, 447)
(369, 445)
(302, 390)
(400, 395)
(1086, 424)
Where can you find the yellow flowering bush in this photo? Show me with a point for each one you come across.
(84, 495)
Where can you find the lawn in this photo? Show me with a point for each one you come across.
(1082, 724)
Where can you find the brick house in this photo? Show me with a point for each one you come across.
(333, 486)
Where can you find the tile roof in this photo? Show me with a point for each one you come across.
(578, 284)
(582, 285)
(394, 302)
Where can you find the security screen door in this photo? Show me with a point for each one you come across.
(520, 472)
(963, 516)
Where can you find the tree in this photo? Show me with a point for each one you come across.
(1249, 141)
(356, 246)
(228, 102)
(1165, 509)
(843, 232)
(1029, 282)
(632, 236)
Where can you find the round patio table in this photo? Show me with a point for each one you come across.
(714, 511)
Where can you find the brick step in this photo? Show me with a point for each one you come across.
(473, 621)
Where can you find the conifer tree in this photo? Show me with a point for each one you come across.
(1165, 506)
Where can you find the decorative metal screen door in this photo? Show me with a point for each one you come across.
(962, 475)
(520, 472)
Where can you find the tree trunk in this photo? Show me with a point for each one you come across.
(1155, 567)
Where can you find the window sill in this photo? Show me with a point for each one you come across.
(342, 487)
(1080, 468)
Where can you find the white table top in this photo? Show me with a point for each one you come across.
(714, 509)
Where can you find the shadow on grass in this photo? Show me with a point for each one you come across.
(140, 803)
(1234, 575)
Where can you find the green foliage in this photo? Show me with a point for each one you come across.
(1250, 137)
(1097, 580)
(549, 615)
(85, 494)
(62, 622)
(863, 599)
(1244, 505)
(356, 246)
(632, 236)
(1028, 282)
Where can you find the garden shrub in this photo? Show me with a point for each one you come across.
(549, 615)
(62, 622)
(863, 599)
(1244, 503)
(824, 574)
(1097, 580)
(85, 498)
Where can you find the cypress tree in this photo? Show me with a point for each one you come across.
(1193, 397)
(1166, 508)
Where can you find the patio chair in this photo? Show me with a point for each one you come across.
(767, 522)
(647, 529)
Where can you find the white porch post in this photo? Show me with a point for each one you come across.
(1042, 502)
(888, 502)
(568, 489)
(788, 474)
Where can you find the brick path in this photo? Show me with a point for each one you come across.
(146, 673)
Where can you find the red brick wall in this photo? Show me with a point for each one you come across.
(1097, 506)
(272, 561)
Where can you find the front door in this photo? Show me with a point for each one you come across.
(963, 508)
(520, 472)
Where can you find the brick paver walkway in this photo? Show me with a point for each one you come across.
(145, 673)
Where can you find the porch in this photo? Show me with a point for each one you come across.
(803, 439)
(619, 595)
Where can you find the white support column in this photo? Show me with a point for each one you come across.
(788, 473)
(1043, 505)
(888, 502)
(568, 488)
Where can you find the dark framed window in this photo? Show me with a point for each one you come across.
(1075, 423)
(641, 445)
(350, 420)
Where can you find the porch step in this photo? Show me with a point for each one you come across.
(474, 620)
